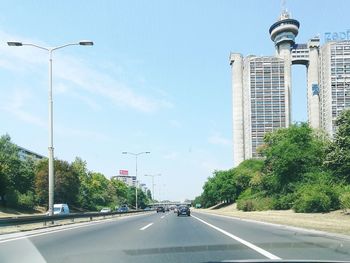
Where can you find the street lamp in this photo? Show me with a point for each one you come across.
(51, 155)
(152, 175)
(136, 155)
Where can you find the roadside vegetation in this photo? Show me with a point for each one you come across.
(300, 169)
(24, 184)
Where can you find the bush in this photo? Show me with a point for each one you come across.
(249, 201)
(283, 202)
(245, 205)
(255, 204)
(22, 201)
(344, 199)
(26, 201)
(312, 200)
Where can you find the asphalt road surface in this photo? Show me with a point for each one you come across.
(164, 237)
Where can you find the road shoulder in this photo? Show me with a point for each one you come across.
(331, 224)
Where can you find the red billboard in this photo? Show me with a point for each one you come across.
(123, 172)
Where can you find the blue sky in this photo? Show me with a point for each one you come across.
(157, 79)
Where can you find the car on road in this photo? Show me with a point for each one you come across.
(147, 209)
(105, 210)
(160, 209)
(183, 210)
(60, 209)
(123, 209)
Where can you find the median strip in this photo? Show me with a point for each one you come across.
(240, 240)
(146, 226)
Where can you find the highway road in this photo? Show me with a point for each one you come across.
(167, 238)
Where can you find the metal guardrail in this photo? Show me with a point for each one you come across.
(22, 220)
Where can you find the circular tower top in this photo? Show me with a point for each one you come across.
(285, 29)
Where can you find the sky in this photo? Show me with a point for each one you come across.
(157, 79)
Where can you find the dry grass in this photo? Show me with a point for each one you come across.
(336, 221)
(9, 212)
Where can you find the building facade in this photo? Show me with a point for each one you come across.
(25, 154)
(334, 82)
(127, 179)
(264, 99)
(262, 86)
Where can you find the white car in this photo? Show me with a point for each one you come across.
(105, 210)
(60, 209)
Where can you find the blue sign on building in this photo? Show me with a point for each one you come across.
(336, 36)
(315, 90)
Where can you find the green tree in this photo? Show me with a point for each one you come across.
(338, 152)
(290, 153)
(9, 165)
(149, 194)
(16, 175)
(99, 190)
(66, 183)
(85, 195)
(119, 192)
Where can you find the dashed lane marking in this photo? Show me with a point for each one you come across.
(240, 240)
(146, 226)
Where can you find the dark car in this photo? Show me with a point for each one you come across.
(183, 210)
(160, 209)
(123, 209)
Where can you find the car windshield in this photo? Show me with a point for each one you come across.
(174, 131)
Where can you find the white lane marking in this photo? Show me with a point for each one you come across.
(246, 243)
(146, 226)
(50, 231)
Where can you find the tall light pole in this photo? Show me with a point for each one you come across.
(50, 148)
(136, 155)
(152, 175)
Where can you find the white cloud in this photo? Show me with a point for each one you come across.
(79, 76)
(218, 139)
(14, 104)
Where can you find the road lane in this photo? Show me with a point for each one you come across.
(165, 237)
(146, 226)
(171, 239)
(240, 240)
(287, 243)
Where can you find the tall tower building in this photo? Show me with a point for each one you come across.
(236, 62)
(264, 100)
(283, 34)
(334, 82)
(262, 86)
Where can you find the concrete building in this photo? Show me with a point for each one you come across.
(127, 179)
(25, 153)
(334, 82)
(262, 86)
(264, 99)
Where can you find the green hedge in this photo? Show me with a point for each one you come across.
(283, 202)
(249, 201)
(344, 199)
(22, 201)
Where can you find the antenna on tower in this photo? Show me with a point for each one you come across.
(283, 6)
(284, 12)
